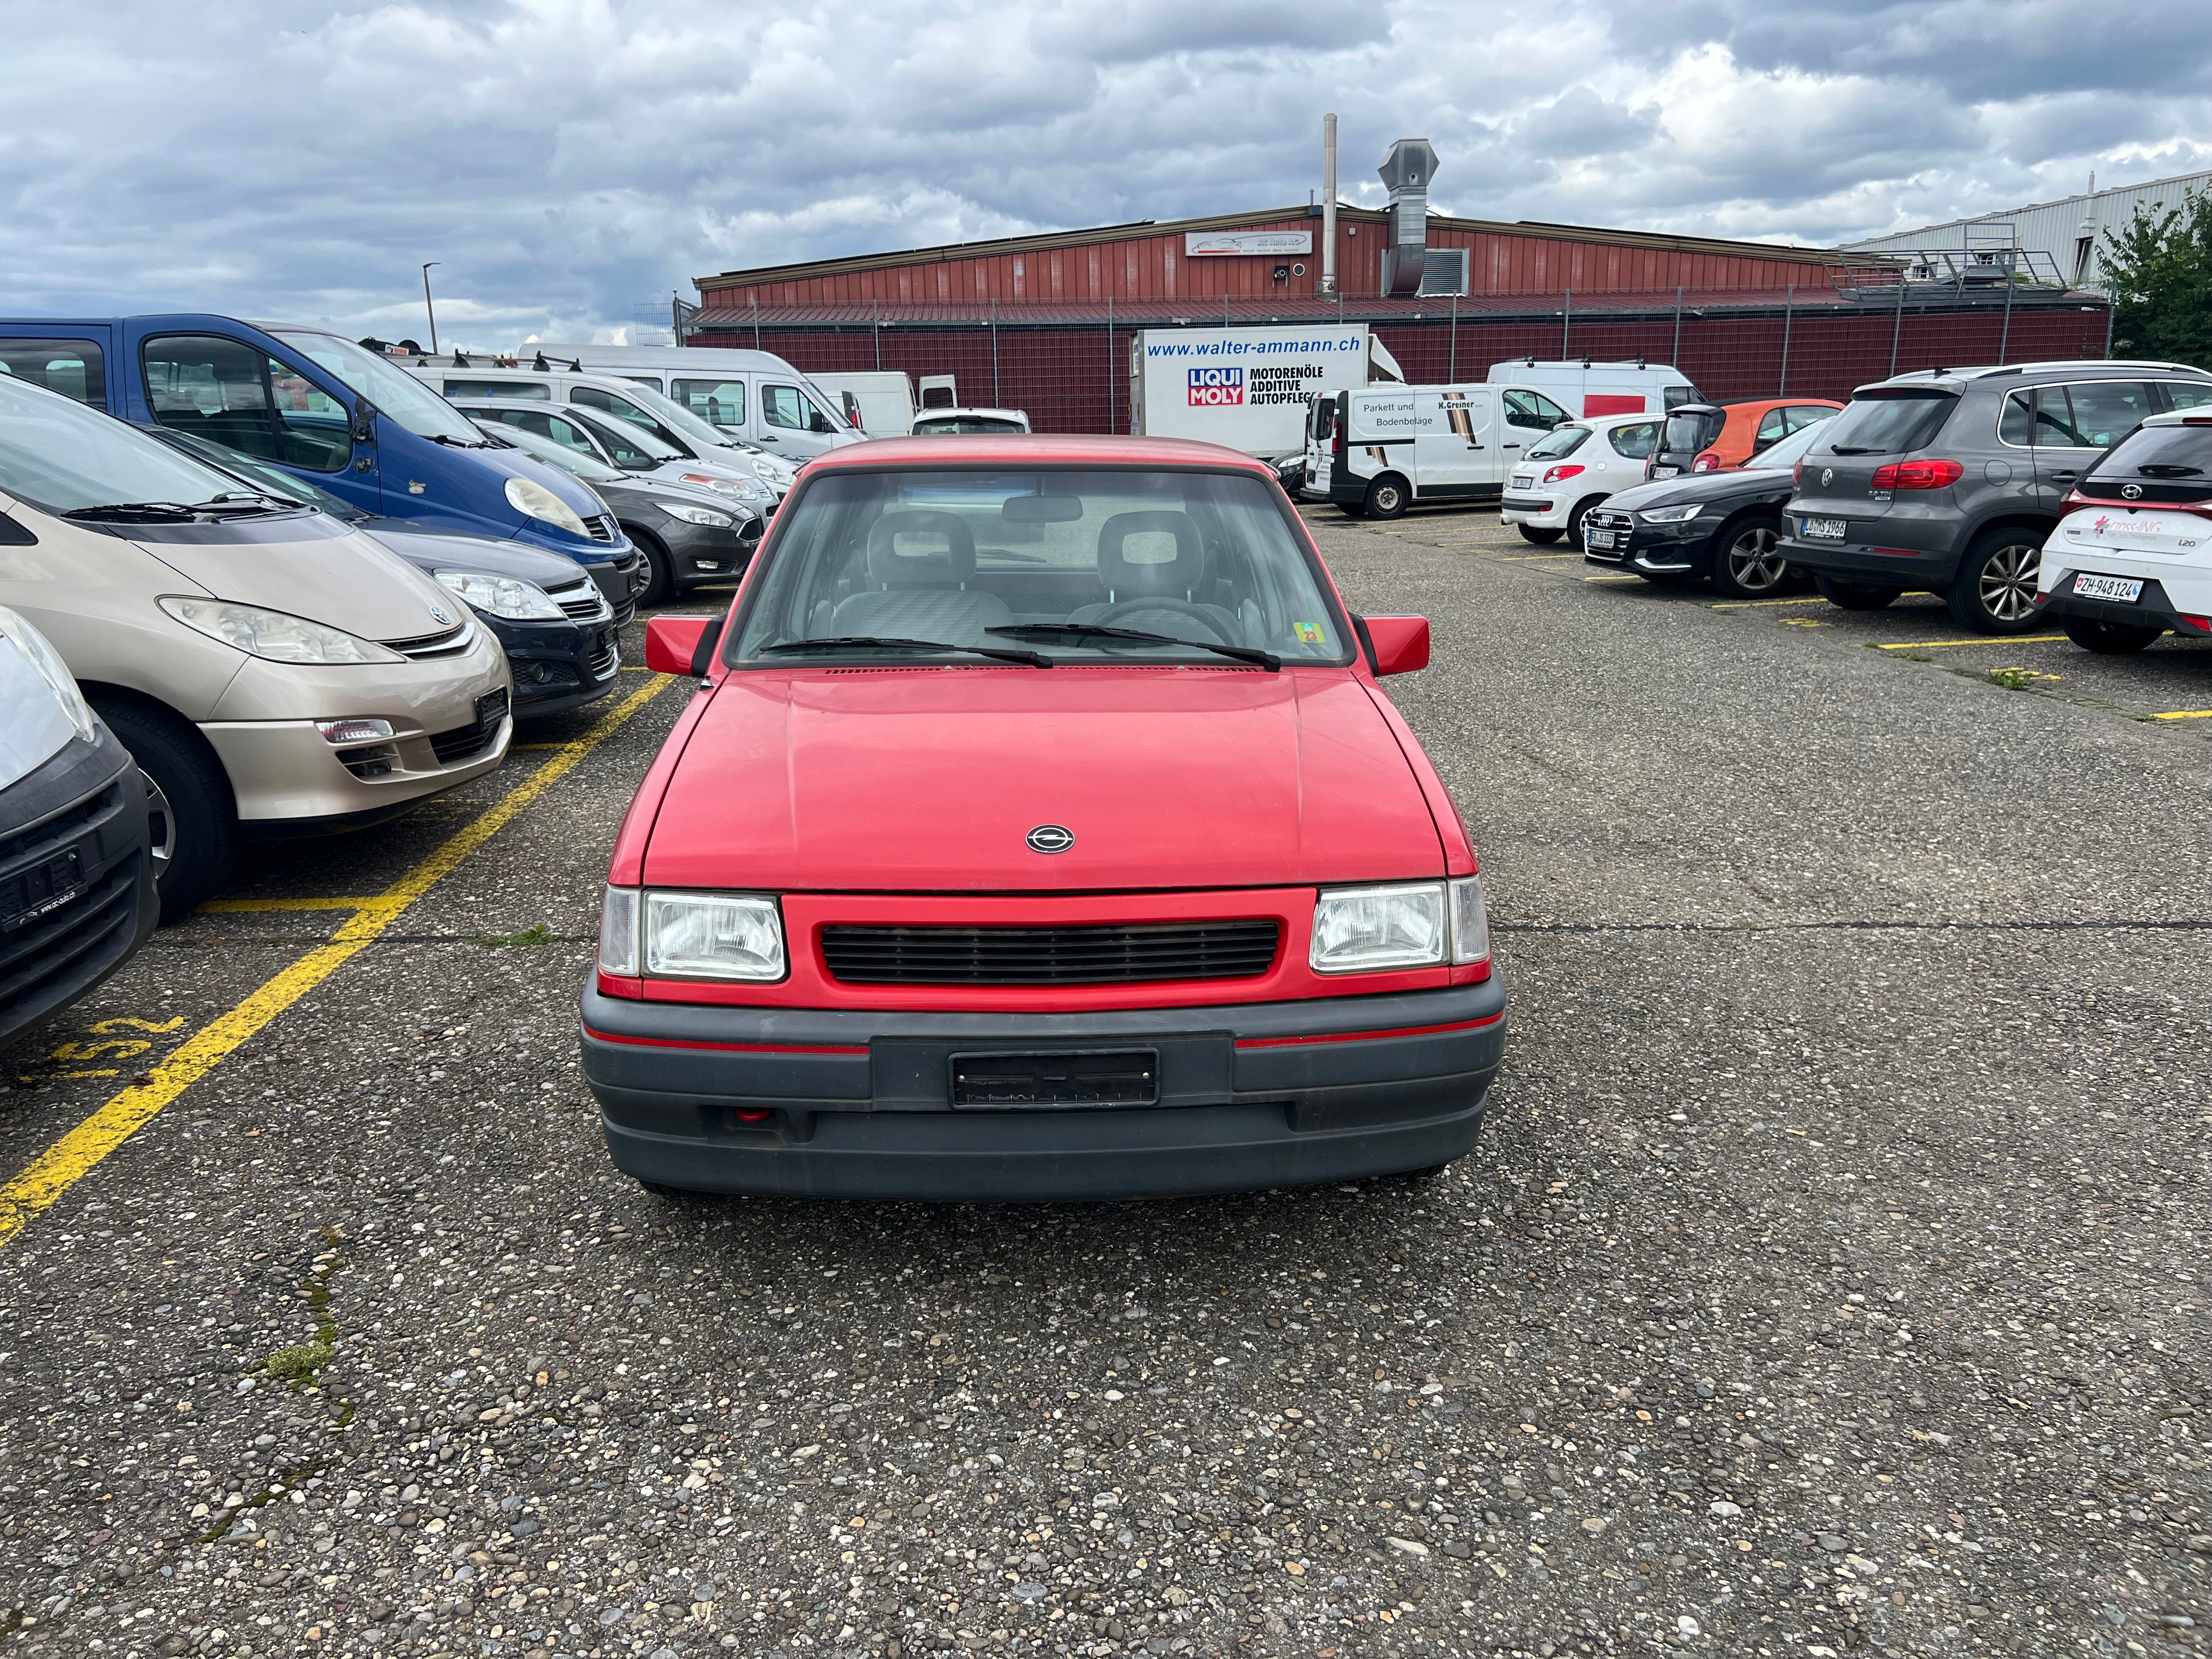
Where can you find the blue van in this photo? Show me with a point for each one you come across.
(330, 412)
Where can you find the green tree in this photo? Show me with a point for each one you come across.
(2158, 267)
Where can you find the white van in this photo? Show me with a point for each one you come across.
(1376, 450)
(882, 399)
(755, 394)
(1593, 388)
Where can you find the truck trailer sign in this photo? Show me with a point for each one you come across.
(1246, 388)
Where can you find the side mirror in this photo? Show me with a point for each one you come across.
(363, 430)
(682, 644)
(1401, 643)
(817, 421)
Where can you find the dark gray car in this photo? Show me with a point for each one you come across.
(1946, 481)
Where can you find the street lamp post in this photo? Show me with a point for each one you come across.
(428, 307)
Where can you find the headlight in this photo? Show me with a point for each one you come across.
(1680, 515)
(618, 931)
(534, 501)
(713, 936)
(691, 514)
(273, 635)
(502, 596)
(745, 489)
(51, 669)
(1365, 930)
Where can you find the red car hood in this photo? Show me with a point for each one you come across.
(929, 780)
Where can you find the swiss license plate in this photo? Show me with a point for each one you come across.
(1823, 530)
(1523, 480)
(2126, 589)
(40, 891)
(1665, 471)
(1601, 539)
(1121, 1077)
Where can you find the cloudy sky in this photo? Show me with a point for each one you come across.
(572, 162)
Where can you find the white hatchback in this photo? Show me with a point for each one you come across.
(1572, 469)
(2132, 558)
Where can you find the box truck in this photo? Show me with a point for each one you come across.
(1247, 388)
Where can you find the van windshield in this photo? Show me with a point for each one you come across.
(589, 468)
(391, 388)
(63, 457)
(1108, 566)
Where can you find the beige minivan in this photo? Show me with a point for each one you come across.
(273, 671)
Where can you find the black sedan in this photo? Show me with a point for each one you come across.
(551, 616)
(1722, 526)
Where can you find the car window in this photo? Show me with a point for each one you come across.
(1197, 557)
(1688, 431)
(571, 453)
(236, 395)
(1676, 396)
(960, 426)
(1772, 425)
(2105, 411)
(1788, 452)
(1532, 409)
(1804, 415)
(627, 445)
(526, 390)
(1887, 422)
(1636, 442)
(75, 369)
(2179, 394)
(721, 403)
(781, 406)
(591, 396)
(643, 380)
(1324, 417)
(1560, 441)
(397, 394)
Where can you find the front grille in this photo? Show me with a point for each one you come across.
(603, 528)
(62, 826)
(449, 643)
(74, 942)
(604, 660)
(1117, 954)
(464, 741)
(373, 760)
(1610, 520)
(579, 600)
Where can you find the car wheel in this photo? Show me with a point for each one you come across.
(1352, 509)
(1854, 596)
(659, 570)
(1748, 564)
(1537, 534)
(193, 794)
(1388, 497)
(2109, 638)
(1994, 591)
(1574, 519)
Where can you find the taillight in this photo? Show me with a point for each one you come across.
(1553, 474)
(1797, 476)
(2202, 624)
(1917, 475)
(1336, 442)
(1707, 462)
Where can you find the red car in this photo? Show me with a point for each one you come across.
(1038, 830)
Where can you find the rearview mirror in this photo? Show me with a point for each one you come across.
(682, 644)
(1401, 644)
(1041, 509)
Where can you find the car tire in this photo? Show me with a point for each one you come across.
(1854, 596)
(660, 569)
(1388, 497)
(203, 813)
(2109, 638)
(1536, 533)
(1994, 591)
(1747, 562)
(1352, 509)
(1574, 519)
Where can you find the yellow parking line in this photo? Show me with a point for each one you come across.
(69, 1159)
(1993, 639)
(1750, 605)
(1527, 558)
(220, 905)
(2186, 714)
(1613, 578)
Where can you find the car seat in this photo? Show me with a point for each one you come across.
(1174, 582)
(917, 594)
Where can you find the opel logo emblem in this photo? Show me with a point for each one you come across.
(2133, 492)
(438, 616)
(1049, 838)
(1827, 477)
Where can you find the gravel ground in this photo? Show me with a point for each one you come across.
(1829, 1279)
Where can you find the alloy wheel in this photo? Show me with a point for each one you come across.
(161, 829)
(1755, 561)
(2007, 582)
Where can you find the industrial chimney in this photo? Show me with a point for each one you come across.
(1328, 203)
(1406, 170)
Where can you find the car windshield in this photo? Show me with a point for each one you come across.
(963, 426)
(1691, 429)
(253, 470)
(1049, 559)
(673, 414)
(1788, 452)
(575, 462)
(391, 388)
(62, 457)
(627, 433)
(1886, 422)
(1559, 440)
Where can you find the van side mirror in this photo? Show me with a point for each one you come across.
(363, 430)
(1401, 644)
(817, 421)
(682, 644)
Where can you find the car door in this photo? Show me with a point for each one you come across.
(1462, 456)
(232, 392)
(1632, 444)
(1528, 414)
(2075, 422)
(720, 400)
(791, 424)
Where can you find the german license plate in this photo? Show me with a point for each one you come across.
(1601, 539)
(1665, 471)
(40, 891)
(1823, 530)
(2122, 589)
(1121, 1077)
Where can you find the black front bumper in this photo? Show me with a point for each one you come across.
(707, 553)
(1666, 548)
(557, 665)
(76, 878)
(859, 1104)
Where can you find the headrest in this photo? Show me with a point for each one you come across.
(892, 568)
(1126, 577)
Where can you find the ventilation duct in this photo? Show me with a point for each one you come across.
(1406, 171)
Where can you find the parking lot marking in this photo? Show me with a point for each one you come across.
(1994, 639)
(1750, 605)
(1525, 558)
(243, 905)
(1613, 578)
(39, 1186)
(2185, 714)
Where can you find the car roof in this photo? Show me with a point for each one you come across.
(2020, 371)
(971, 408)
(1027, 449)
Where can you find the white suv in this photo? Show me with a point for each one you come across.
(1572, 469)
(2132, 558)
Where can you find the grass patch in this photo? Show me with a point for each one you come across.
(528, 936)
(2018, 679)
(298, 1363)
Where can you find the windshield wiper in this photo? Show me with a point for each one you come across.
(843, 641)
(248, 500)
(2170, 470)
(151, 512)
(1266, 660)
(458, 443)
(1855, 449)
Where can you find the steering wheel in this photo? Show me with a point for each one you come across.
(1112, 615)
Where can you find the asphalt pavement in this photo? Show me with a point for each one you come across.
(1829, 1277)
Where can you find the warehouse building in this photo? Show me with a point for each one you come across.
(1042, 322)
(2053, 241)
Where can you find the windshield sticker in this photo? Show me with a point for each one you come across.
(1308, 633)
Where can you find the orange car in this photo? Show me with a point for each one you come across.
(1721, 437)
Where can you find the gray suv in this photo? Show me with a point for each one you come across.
(1946, 481)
